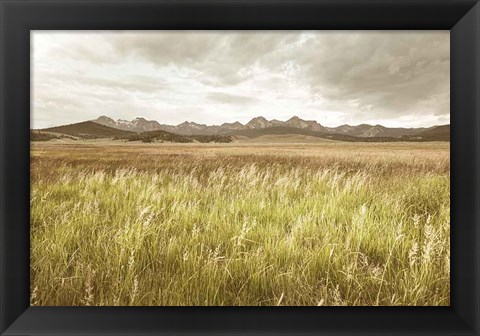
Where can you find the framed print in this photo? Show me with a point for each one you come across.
(239, 167)
(186, 205)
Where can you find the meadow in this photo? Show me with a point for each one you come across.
(327, 223)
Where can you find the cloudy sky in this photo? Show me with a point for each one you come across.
(390, 78)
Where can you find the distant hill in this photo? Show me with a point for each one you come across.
(438, 133)
(163, 136)
(151, 136)
(45, 136)
(88, 130)
(369, 131)
(288, 130)
(278, 130)
(282, 138)
(93, 130)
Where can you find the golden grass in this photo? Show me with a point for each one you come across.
(240, 224)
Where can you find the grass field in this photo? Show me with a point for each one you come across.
(240, 224)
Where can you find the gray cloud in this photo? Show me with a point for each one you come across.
(225, 98)
(389, 74)
(395, 77)
(132, 83)
(222, 57)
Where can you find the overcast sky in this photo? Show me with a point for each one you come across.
(390, 78)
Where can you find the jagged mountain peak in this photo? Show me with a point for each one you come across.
(138, 124)
(259, 118)
(236, 123)
(294, 118)
(105, 118)
(190, 123)
(187, 127)
(258, 122)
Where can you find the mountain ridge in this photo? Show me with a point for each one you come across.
(193, 132)
(87, 130)
(192, 128)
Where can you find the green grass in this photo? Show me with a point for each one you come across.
(204, 230)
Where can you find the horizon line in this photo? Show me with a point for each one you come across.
(244, 124)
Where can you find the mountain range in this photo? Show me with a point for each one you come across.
(140, 129)
(258, 123)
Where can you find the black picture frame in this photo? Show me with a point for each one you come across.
(19, 17)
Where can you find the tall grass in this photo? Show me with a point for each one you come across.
(238, 230)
